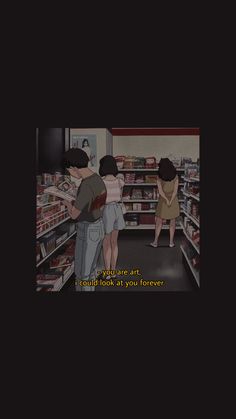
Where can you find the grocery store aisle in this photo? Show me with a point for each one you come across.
(162, 263)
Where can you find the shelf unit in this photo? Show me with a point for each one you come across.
(190, 240)
(67, 277)
(194, 272)
(61, 282)
(150, 227)
(190, 195)
(136, 184)
(179, 169)
(56, 248)
(193, 219)
(51, 228)
(196, 222)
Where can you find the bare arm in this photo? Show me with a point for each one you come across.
(73, 212)
(176, 185)
(160, 190)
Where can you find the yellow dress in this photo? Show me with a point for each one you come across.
(163, 211)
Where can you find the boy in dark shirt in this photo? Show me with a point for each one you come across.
(87, 209)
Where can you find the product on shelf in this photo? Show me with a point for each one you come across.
(191, 170)
(41, 189)
(139, 179)
(47, 179)
(148, 193)
(195, 210)
(120, 161)
(38, 252)
(151, 179)
(147, 219)
(129, 177)
(127, 193)
(193, 189)
(129, 207)
(196, 262)
(69, 248)
(177, 161)
(137, 206)
(60, 262)
(48, 243)
(137, 193)
(68, 227)
(150, 163)
(145, 206)
(132, 219)
(46, 280)
(152, 205)
(189, 206)
(129, 162)
(139, 163)
(47, 218)
(185, 160)
(61, 237)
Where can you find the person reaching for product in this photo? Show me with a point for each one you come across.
(168, 205)
(87, 210)
(112, 214)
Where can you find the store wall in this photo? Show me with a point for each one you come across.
(103, 138)
(158, 146)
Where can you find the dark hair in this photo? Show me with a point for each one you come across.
(167, 170)
(85, 140)
(76, 157)
(108, 166)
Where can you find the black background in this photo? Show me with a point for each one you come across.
(170, 82)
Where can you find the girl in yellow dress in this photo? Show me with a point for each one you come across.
(168, 204)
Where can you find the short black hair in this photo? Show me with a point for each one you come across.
(76, 157)
(167, 170)
(108, 166)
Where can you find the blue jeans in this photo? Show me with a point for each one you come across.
(87, 251)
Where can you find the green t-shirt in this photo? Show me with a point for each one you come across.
(91, 198)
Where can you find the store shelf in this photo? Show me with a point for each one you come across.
(195, 221)
(48, 204)
(140, 184)
(195, 179)
(67, 277)
(51, 228)
(149, 227)
(190, 195)
(145, 184)
(126, 201)
(58, 247)
(138, 170)
(139, 200)
(141, 211)
(179, 169)
(194, 272)
(190, 240)
(190, 179)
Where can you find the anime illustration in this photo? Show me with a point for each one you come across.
(132, 223)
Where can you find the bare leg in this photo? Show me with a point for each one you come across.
(114, 248)
(107, 251)
(157, 230)
(172, 231)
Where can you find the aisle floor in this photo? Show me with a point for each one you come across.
(162, 263)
